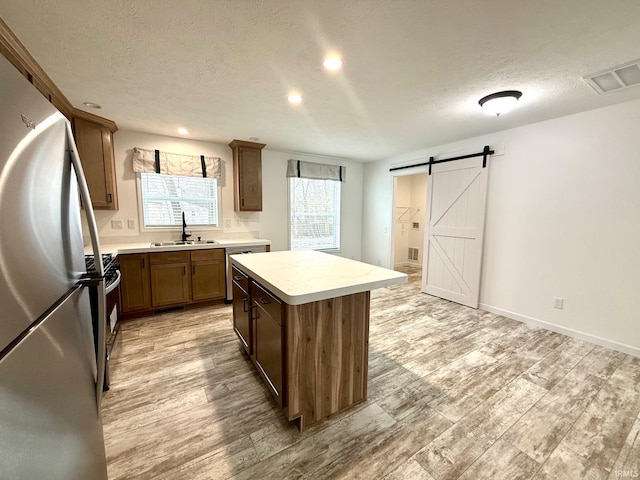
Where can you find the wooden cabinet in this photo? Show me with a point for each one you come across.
(268, 340)
(207, 274)
(247, 175)
(157, 280)
(170, 278)
(312, 356)
(95, 147)
(135, 289)
(241, 310)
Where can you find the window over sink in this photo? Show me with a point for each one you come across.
(163, 198)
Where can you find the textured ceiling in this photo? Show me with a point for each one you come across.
(413, 69)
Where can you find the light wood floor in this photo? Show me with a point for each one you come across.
(454, 393)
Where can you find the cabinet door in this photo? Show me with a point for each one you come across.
(268, 350)
(250, 180)
(135, 286)
(242, 317)
(207, 278)
(95, 147)
(170, 284)
(247, 175)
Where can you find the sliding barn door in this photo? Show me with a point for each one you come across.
(457, 193)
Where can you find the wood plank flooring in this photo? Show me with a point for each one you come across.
(454, 393)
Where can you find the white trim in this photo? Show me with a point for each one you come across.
(603, 342)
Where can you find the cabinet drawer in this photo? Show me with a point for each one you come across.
(273, 306)
(239, 277)
(169, 257)
(210, 254)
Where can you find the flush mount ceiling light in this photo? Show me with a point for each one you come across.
(500, 102)
(332, 63)
(294, 98)
(91, 105)
(183, 131)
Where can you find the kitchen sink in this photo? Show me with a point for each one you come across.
(180, 242)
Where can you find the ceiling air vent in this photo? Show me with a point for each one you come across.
(616, 78)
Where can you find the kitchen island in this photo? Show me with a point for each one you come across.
(303, 319)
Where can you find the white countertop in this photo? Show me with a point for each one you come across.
(304, 276)
(140, 247)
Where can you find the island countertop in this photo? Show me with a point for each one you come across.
(304, 276)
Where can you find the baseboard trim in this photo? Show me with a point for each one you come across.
(603, 342)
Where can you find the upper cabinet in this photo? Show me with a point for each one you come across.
(95, 146)
(247, 175)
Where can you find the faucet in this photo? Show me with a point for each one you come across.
(185, 235)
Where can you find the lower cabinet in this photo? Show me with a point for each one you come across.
(135, 290)
(166, 279)
(207, 274)
(269, 338)
(170, 282)
(313, 357)
(242, 321)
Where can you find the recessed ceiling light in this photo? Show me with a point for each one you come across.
(254, 139)
(91, 105)
(183, 131)
(500, 102)
(294, 98)
(332, 63)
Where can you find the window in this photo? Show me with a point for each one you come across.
(314, 214)
(165, 197)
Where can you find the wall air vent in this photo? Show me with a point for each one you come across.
(616, 78)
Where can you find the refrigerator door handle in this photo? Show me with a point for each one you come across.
(102, 342)
(86, 199)
(95, 244)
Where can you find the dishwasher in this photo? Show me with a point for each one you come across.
(234, 251)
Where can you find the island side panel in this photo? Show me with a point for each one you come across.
(327, 356)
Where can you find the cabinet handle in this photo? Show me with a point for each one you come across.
(142, 259)
(109, 198)
(193, 269)
(263, 301)
(184, 270)
(244, 304)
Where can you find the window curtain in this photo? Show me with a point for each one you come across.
(155, 161)
(317, 171)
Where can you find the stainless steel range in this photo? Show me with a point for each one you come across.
(112, 283)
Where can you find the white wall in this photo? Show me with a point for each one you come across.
(563, 220)
(271, 223)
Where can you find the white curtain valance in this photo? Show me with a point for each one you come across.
(318, 171)
(155, 161)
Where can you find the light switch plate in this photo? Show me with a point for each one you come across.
(116, 224)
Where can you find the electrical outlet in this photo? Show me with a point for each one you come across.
(116, 224)
(227, 223)
(558, 303)
(131, 224)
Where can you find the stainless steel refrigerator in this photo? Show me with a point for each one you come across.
(50, 388)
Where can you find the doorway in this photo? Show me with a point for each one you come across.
(408, 227)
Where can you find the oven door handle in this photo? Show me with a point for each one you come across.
(111, 287)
